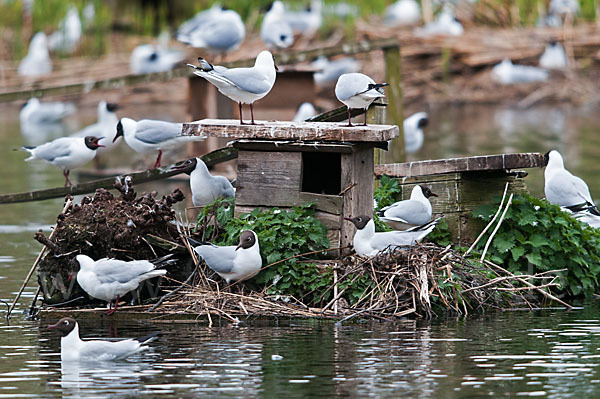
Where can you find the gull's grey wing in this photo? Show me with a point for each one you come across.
(113, 270)
(351, 87)
(225, 186)
(247, 79)
(411, 211)
(219, 35)
(569, 188)
(54, 149)
(154, 132)
(219, 259)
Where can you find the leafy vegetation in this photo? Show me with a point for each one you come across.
(537, 236)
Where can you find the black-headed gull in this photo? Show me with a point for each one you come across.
(36, 112)
(369, 243)
(148, 135)
(110, 279)
(74, 349)
(66, 153)
(415, 211)
(306, 22)
(402, 12)
(356, 90)
(554, 56)
(68, 35)
(276, 30)
(105, 127)
(148, 58)
(205, 187)
(413, 131)
(222, 31)
(563, 188)
(233, 263)
(37, 61)
(305, 111)
(243, 85)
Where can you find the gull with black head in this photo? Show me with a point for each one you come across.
(74, 349)
(369, 243)
(233, 263)
(205, 187)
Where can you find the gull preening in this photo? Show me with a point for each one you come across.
(554, 56)
(356, 90)
(36, 112)
(276, 31)
(205, 187)
(148, 58)
(243, 85)
(369, 243)
(110, 279)
(412, 212)
(66, 153)
(74, 349)
(37, 61)
(146, 135)
(565, 189)
(233, 263)
(215, 29)
(402, 12)
(413, 131)
(104, 127)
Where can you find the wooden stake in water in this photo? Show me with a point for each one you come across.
(37, 261)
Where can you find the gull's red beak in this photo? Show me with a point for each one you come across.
(97, 141)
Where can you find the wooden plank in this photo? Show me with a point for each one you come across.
(467, 164)
(324, 131)
(304, 146)
(215, 157)
(358, 183)
(324, 202)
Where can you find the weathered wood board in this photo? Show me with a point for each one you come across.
(466, 164)
(268, 130)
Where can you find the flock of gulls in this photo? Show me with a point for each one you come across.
(220, 30)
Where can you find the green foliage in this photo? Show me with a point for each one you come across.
(537, 236)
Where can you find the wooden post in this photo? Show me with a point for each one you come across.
(393, 76)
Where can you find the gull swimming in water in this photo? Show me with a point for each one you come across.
(205, 187)
(412, 212)
(243, 85)
(74, 349)
(356, 90)
(233, 263)
(369, 243)
(66, 153)
(413, 131)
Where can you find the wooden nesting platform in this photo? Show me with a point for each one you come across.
(462, 184)
(285, 164)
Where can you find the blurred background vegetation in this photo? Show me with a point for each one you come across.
(150, 17)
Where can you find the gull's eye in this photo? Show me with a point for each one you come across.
(66, 322)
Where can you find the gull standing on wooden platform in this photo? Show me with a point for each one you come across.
(243, 85)
(110, 279)
(205, 187)
(66, 153)
(412, 212)
(148, 135)
(73, 348)
(357, 90)
(369, 243)
(563, 188)
(37, 61)
(413, 131)
(233, 263)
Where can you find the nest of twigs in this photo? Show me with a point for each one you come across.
(420, 281)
